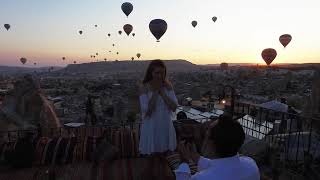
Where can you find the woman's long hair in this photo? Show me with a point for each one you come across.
(152, 66)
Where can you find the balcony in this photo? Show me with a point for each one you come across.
(278, 141)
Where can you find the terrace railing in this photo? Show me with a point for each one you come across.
(291, 136)
(81, 131)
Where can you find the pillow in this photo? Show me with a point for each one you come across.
(174, 160)
(39, 150)
(193, 167)
(23, 154)
(126, 140)
(105, 151)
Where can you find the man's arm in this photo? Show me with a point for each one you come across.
(203, 163)
(183, 172)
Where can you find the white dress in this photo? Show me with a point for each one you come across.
(157, 133)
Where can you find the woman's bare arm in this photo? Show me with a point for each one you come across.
(151, 102)
(170, 102)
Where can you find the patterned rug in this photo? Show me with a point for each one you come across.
(151, 168)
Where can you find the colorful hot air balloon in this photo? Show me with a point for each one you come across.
(138, 55)
(194, 23)
(7, 26)
(80, 32)
(120, 32)
(285, 39)
(214, 18)
(132, 58)
(127, 8)
(105, 59)
(23, 60)
(63, 58)
(158, 27)
(127, 28)
(269, 55)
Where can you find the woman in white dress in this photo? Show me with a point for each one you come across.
(157, 103)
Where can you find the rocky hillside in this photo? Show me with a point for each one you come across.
(127, 66)
(12, 70)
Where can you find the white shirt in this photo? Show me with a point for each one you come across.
(231, 168)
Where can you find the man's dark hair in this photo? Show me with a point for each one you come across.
(227, 136)
(182, 116)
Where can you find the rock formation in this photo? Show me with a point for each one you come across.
(26, 106)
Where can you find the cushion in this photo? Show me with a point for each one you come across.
(39, 150)
(193, 167)
(174, 160)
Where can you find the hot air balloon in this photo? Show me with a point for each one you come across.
(95, 25)
(7, 26)
(117, 52)
(127, 8)
(105, 59)
(138, 55)
(34, 63)
(97, 54)
(80, 32)
(214, 18)
(120, 32)
(285, 39)
(23, 60)
(127, 28)
(269, 55)
(109, 51)
(109, 34)
(74, 62)
(63, 58)
(158, 27)
(132, 58)
(194, 23)
(133, 34)
(94, 56)
(112, 44)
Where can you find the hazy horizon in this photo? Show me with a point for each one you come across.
(213, 64)
(46, 31)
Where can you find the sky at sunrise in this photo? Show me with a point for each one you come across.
(44, 31)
